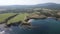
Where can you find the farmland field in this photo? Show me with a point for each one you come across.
(19, 17)
(5, 16)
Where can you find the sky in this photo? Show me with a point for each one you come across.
(26, 2)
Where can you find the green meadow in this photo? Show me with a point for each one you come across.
(5, 16)
(18, 18)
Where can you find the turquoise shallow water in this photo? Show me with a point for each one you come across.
(42, 26)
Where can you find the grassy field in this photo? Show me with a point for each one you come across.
(5, 16)
(19, 17)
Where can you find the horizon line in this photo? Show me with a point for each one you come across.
(31, 4)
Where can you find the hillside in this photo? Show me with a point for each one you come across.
(45, 5)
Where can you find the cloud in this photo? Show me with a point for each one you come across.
(26, 2)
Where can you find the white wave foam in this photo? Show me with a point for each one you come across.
(2, 32)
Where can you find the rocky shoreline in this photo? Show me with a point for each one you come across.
(25, 21)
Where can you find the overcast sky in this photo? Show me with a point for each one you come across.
(26, 2)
